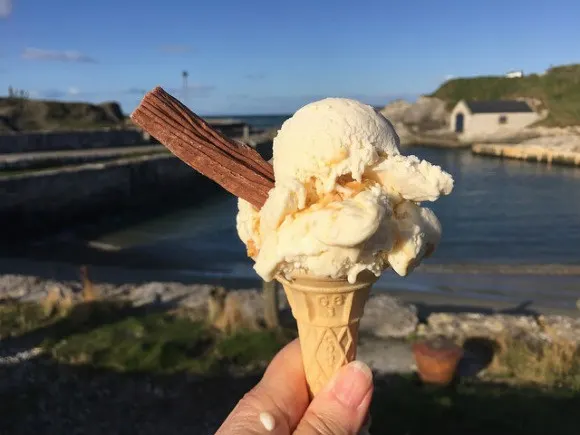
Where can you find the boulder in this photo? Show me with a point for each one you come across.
(427, 113)
(388, 317)
(170, 294)
(28, 288)
(395, 110)
(474, 325)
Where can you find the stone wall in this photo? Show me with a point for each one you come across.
(71, 140)
(51, 199)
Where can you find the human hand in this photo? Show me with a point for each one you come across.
(279, 404)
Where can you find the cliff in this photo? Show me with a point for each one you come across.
(422, 122)
(23, 114)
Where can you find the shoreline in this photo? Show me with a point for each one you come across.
(527, 154)
(429, 291)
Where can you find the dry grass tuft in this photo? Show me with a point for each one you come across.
(550, 362)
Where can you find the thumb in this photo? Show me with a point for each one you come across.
(342, 406)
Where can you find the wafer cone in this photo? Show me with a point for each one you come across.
(328, 313)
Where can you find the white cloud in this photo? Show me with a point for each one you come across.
(449, 77)
(56, 55)
(59, 94)
(5, 8)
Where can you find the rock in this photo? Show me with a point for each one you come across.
(386, 356)
(387, 317)
(147, 293)
(196, 297)
(405, 135)
(395, 111)
(474, 325)
(251, 301)
(428, 113)
(173, 294)
(28, 288)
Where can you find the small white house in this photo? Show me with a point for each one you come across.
(514, 74)
(479, 118)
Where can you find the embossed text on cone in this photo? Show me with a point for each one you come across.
(328, 313)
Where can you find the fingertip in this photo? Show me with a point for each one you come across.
(352, 384)
(342, 406)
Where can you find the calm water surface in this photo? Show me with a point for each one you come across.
(500, 212)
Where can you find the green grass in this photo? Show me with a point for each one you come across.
(558, 89)
(19, 318)
(112, 336)
(163, 343)
(154, 343)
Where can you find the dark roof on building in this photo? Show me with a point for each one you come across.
(498, 106)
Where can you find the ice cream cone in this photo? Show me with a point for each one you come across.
(328, 312)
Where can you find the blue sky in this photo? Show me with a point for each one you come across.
(269, 56)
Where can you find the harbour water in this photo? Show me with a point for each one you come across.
(501, 212)
(511, 229)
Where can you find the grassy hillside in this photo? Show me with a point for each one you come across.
(23, 114)
(558, 90)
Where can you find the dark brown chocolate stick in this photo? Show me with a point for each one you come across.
(236, 167)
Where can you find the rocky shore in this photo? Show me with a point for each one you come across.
(564, 149)
(386, 317)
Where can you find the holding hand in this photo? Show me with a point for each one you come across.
(279, 404)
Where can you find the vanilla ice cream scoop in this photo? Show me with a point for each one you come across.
(330, 138)
(345, 199)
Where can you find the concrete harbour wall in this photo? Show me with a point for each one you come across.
(52, 199)
(70, 140)
(529, 153)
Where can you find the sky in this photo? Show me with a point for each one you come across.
(268, 56)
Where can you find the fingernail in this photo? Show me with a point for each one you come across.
(353, 384)
(267, 421)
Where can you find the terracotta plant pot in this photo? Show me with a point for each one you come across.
(437, 360)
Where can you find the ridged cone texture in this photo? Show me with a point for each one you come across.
(328, 313)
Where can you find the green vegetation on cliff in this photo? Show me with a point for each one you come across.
(558, 90)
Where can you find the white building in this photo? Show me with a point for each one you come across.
(514, 74)
(480, 118)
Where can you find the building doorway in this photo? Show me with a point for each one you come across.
(459, 123)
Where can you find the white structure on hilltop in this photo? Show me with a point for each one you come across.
(514, 74)
(475, 118)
